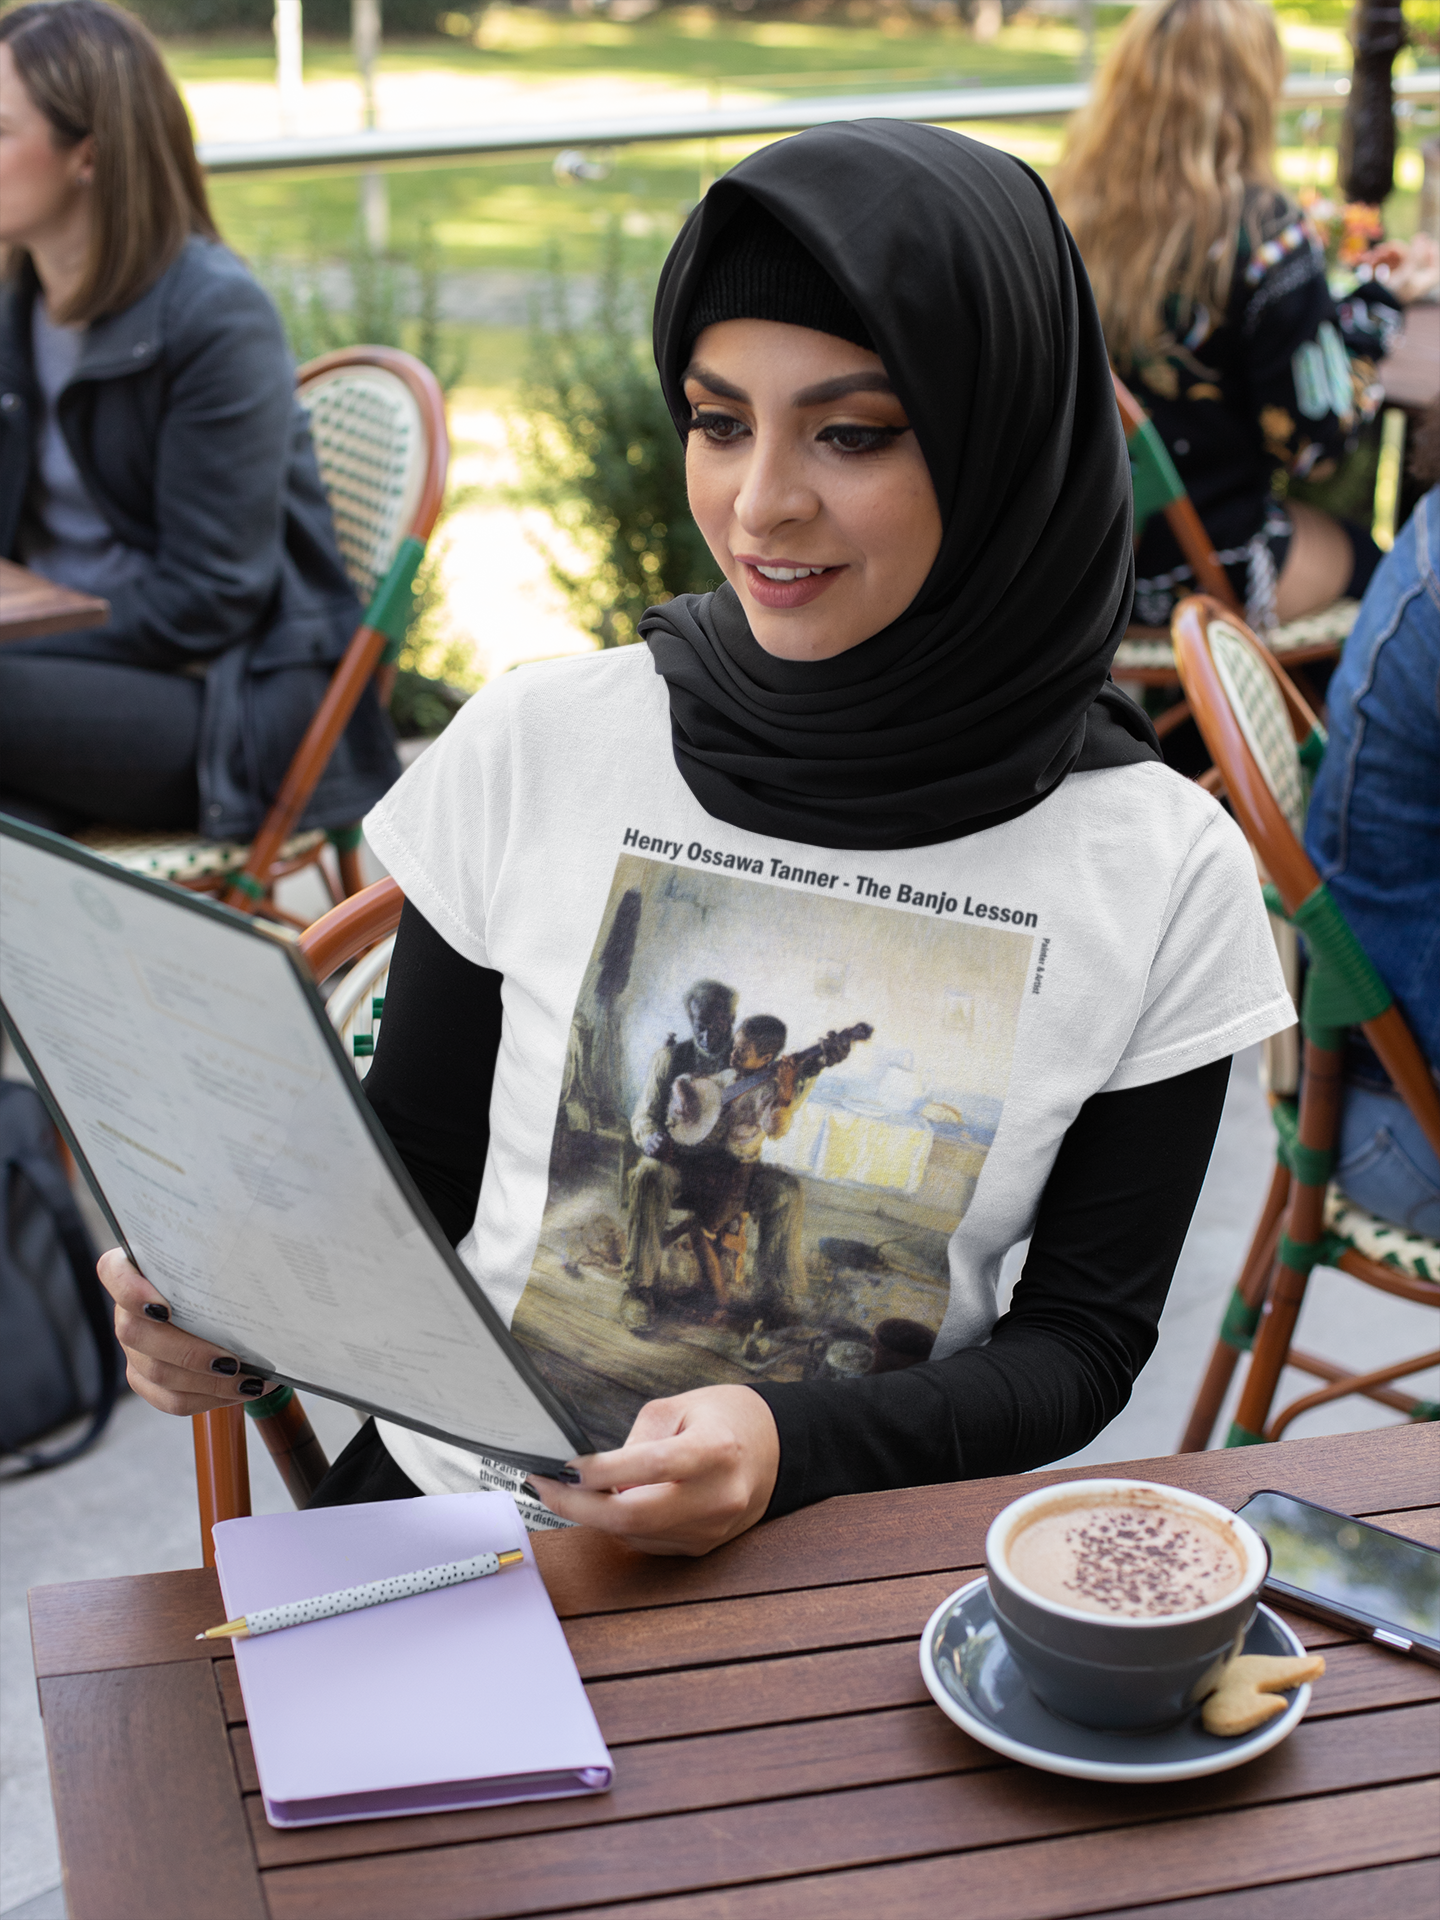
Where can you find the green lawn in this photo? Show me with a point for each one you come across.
(510, 214)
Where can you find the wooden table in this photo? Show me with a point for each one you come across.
(31, 606)
(777, 1756)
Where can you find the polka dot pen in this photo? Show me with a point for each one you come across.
(298, 1613)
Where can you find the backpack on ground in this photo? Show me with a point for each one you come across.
(59, 1359)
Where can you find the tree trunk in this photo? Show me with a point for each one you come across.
(1367, 137)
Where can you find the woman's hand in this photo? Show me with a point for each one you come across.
(696, 1470)
(172, 1370)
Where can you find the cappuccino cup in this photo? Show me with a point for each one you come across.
(1119, 1599)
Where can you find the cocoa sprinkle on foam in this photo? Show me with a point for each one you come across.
(1137, 1560)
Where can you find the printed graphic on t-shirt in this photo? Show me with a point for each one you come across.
(777, 1103)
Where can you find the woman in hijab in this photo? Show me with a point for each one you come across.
(947, 957)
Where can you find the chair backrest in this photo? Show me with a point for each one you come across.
(377, 417)
(1252, 719)
(379, 434)
(1254, 723)
(1158, 488)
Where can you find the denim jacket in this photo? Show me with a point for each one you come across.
(1374, 825)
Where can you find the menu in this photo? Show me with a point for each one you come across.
(186, 1055)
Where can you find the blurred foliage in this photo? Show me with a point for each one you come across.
(597, 450)
(380, 299)
(436, 672)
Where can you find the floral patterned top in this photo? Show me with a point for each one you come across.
(1277, 385)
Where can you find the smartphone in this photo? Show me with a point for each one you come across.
(1377, 1583)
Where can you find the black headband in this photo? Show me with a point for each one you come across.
(759, 271)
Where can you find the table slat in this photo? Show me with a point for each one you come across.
(151, 1823)
(796, 1688)
(32, 606)
(667, 1776)
(1399, 1893)
(139, 1620)
(797, 1763)
(1054, 1879)
(924, 1529)
(787, 1839)
(656, 1640)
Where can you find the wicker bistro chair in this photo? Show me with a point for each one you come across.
(1146, 656)
(1265, 741)
(349, 932)
(377, 418)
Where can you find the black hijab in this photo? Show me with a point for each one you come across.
(992, 685)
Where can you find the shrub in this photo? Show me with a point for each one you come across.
(384, 300)
(598, 450)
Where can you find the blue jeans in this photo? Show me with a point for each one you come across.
(1373, 829)
(1385, 1163)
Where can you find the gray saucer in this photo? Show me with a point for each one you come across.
(972, 1678)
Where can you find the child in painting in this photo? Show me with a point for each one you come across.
(880, 780)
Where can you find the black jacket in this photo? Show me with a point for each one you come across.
(182, 420)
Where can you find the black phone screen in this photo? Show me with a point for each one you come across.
(1349, 1564)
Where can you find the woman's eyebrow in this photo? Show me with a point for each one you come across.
(842, 384)
(712, 382)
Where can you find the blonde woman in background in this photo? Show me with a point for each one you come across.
(1212, 292)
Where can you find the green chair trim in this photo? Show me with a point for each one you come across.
(1239, 1436)
(393, 603)
(1311, 1166)
(274, 1402)
(346, 839)
(1312, 749)
(1153, 479)
(1237, 1329)
(1301, 1255)
(1342, 988)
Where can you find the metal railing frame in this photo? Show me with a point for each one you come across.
(946, 106)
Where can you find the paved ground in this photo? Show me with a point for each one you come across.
(129, 1507)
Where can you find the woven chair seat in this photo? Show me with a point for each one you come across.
(1378, 1240)
(1134, 654)
(184, 856)
(1328, 627)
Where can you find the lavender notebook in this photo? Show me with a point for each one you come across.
(467, 1697)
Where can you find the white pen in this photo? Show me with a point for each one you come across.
(400, 1586)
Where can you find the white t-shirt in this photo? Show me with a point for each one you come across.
(1111, 937)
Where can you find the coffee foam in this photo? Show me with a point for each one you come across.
(1132, 1555)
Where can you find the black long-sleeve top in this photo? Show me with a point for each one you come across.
(1060, 1363)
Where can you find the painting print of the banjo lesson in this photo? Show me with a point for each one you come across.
(776, 1104)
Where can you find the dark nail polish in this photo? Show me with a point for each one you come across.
(225, 1365)
(154, 1311)
(252, 1389)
